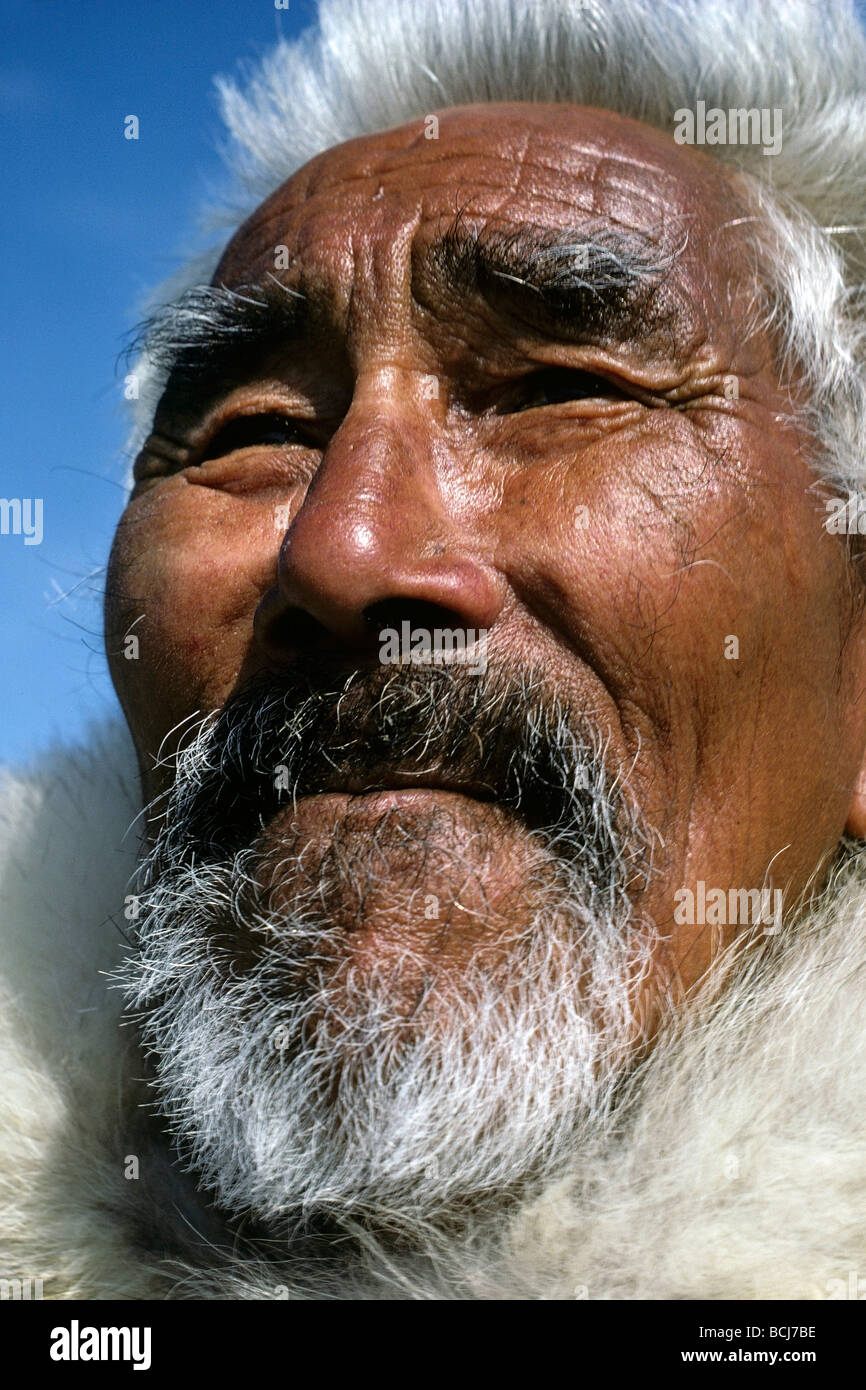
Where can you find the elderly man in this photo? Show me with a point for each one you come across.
(488, 617)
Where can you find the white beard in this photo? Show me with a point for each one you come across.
(295, 1089)
(296, 1082)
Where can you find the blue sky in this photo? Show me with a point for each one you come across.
(89, 223)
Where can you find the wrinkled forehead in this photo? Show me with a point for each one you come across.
(503, 165)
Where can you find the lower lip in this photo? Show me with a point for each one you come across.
(393, 796)
(322, 812)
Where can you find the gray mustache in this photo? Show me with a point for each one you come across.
(505, 739)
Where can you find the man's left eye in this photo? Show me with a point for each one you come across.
(247, 430)
(555, 385)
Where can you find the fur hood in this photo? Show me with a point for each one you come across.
(737, 1168)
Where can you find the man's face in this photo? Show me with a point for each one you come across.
(461, 424)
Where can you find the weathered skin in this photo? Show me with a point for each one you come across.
(701, 522)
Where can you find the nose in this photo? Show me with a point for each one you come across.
(376, 540)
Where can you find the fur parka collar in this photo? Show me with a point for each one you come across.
(739, 1169)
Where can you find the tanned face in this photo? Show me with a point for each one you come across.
(607, 484)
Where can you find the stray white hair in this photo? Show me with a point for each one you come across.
(368, 65)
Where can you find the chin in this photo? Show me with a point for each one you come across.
(368, 1021)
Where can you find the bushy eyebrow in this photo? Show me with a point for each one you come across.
(589, 283)
(212, 337)
(585, 285)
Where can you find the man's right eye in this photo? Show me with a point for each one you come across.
(247, 431)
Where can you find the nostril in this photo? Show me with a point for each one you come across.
(391, 612)
(296, 630)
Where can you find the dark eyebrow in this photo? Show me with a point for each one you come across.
(595, 283)
(212, 337)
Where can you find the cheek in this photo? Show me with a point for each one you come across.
(711, 611)
(188, 568)
(620, 545)
(684, 589)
